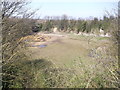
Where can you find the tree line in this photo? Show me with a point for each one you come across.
(67, 24)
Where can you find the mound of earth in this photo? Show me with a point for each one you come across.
(36, 38)
(41, 39)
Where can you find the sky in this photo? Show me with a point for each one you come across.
(74, 8)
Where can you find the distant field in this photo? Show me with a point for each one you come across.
(85, 55)
(66, 49)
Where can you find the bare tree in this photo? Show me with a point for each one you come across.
(16, 23)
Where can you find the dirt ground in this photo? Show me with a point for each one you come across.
(63, 49)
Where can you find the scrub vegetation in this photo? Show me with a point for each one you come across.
(57, 52)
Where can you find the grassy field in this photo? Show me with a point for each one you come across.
(64, 50)
(72, 61)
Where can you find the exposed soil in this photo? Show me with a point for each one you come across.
(42, 39)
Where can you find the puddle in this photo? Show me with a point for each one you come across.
(41, 46)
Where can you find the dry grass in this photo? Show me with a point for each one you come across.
(75, 63)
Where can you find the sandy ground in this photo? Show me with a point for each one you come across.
(53, 38)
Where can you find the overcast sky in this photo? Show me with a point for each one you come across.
(74, 8)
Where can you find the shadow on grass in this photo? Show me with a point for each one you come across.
(22, 74)
(38, 63)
